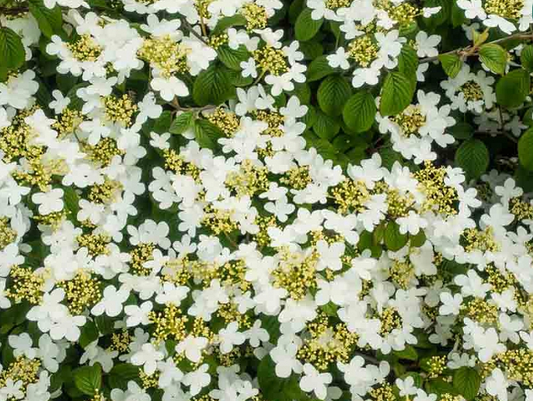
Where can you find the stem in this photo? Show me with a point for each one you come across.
(259, 77)
(472, 50)
(202, 25)
(189, 28)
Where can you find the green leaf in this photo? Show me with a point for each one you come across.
(526, 57)
(466, 381)
(88, 379)
(408, 353)
(232, 58)
(12, 52)
(309, 118)
(50, 21)
(359, 112)
(408, 61)
(89, 333)
(333, 92)
(212, 86)
(389, 156)
(396, 94)
(462, 131)
(394, 240)
(319, 68)
(207, 134)
(512, 89)
(325, 126)
(418, 240)
(71, 199)
(302, 92)
(458, 15)
(181, 123)
(440, 387)
(311, 49)
(121, 374)
(451, 64)
(105, 324)
(524, 178)
(442, 15)
(306, 27)
(162, 124)
(494, 57)
(525, 150)
(277, 388)
(227, 22)
(473, 157)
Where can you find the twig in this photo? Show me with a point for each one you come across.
(13, 10)
(494, 133)
(368, 358)
(177, 106)
(472, 50)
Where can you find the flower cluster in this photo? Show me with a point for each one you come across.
(257, 200)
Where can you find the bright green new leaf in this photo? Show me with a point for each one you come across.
(451, 64)
(494, 57)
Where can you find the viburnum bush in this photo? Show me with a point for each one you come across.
(266, 200)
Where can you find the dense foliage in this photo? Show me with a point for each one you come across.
(266, 200)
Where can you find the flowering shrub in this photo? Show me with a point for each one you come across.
(266, 200)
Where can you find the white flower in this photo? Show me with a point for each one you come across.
(111, 303)
(197, 379)
(169, 88)
(147, 357)
(473, 9)
(339, 59)
(284, 356)
(406, 386)
(60, 102)
(313, 380)
(412, 223)
(138, 315)
(49, 202)
(256, 335)
(249, 68)
(426, 46)
(330, 255)
(497, 384)
(229, 337)
(451, 304)
(192, 347)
